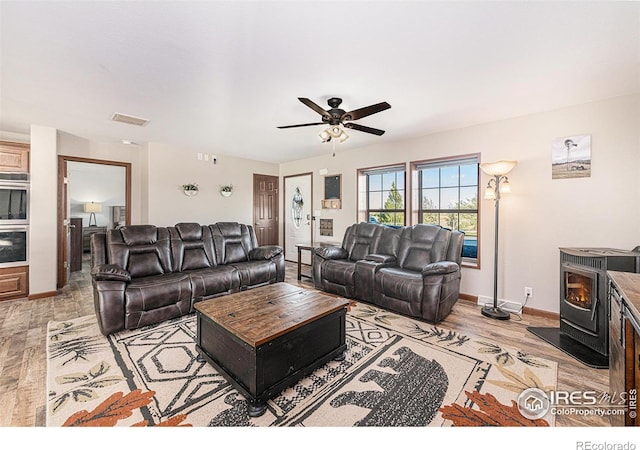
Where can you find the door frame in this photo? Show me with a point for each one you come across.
(63, 203)
(284, 225)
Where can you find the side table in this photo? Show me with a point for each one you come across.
(311, 247)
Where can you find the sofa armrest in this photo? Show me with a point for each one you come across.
(110, 272)
(440, 268)
(380, 258)
(265, 252)
(332, 253)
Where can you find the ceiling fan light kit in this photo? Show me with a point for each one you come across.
(339, 118)
(334, 133)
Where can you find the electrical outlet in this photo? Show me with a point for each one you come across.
(528, 291)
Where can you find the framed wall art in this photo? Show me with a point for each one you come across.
(571, 157)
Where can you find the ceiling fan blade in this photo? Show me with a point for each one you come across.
(355, 126)
(366, 111)
(315, 107)
(302, 125)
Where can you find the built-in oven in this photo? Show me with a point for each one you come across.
(14, 198)
(14, 246)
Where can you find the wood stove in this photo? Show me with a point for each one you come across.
(584, 302)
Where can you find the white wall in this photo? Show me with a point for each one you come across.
(541, 214)
(43, 209)
(71, 145)
(98, 183)
(170, 167)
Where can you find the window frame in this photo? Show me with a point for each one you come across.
(415, 196)
(363, 190)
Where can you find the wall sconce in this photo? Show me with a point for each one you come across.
(92, 208)
(498, 185)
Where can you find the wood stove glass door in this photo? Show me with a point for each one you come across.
(580, 299)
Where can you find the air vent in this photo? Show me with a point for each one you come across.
(131, 120)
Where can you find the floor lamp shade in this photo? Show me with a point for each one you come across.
(498, 184)
(92, 208)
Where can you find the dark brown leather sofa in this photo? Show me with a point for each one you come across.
(412, 270)
(143, 274)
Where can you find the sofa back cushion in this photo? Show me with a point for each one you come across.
(422, 244)
(360, 240)
(142, 250)
(388, 241)
(233, 241)
(191, 247)
(454, 250)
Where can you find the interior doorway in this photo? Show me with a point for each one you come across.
(298, 210)
(97, 195)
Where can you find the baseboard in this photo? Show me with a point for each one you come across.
(468, 297)
(42, 295)
(542, 313)
(527, 310)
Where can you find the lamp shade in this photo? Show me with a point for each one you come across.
(93, 207)
(498, 168)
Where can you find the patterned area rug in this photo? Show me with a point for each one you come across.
(397, 372)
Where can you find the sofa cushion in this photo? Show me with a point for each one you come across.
(421, 245)
(233, 241)
(208, 282)
(189, 231)
(156, 298)
(339, 272)
(139, 234)
(253, 273)
(400, 283)
(362, 240)
(142, 250)
(192, 247)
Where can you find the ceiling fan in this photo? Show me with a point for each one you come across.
(336, 116)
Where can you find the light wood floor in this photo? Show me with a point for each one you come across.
(23, 330)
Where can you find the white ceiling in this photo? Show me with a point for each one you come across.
(220, 77)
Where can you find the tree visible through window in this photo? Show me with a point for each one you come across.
(385, 195)
(447, 193)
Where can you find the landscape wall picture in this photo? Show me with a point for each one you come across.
(571, 157)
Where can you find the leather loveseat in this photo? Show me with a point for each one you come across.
(143, 274)
(413, 270)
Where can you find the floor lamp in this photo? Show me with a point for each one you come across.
(498, 185)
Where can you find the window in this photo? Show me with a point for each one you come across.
(382, 195)
(446, 193)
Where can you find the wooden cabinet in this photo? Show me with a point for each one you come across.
(86, 236)
(624, 344)
(14, 282)
(75, 244)
(14, 157)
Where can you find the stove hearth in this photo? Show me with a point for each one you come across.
(584, 302)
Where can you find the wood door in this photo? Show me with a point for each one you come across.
(64, 230)
(265, 208)
(297, 216)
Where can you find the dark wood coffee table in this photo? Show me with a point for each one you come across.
(265, 339)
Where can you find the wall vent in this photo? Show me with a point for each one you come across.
(131, 120)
